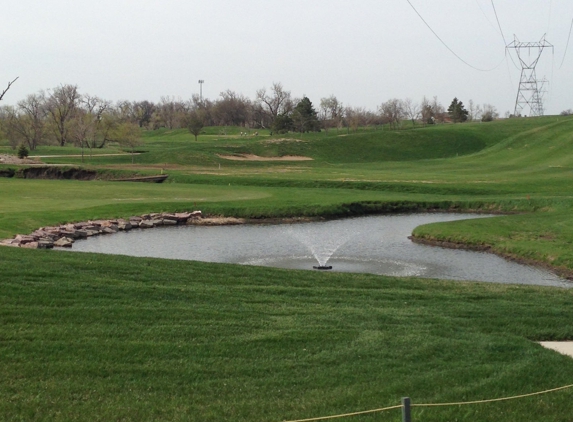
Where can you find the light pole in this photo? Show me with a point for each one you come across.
(201, 81)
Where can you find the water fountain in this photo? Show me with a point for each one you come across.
(321, 243)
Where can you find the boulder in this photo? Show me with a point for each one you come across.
(64, 242)
(30, 245)
(124, 225)
(72, 234)
(145, 224)
(182, 216)
(23, 239)
(45, 244)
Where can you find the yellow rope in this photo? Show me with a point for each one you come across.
(492, 400)
(347, 414)
(431, 404)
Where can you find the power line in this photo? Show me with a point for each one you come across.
(567, 45)
(498, 24)
(445, 45)
(485, 16)
(502, 36)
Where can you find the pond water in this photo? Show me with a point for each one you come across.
(377, 244)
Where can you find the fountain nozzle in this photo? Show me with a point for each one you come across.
(322, 267)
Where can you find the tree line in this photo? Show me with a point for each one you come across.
(64, 116)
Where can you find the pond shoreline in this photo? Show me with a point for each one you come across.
(64, 235)
(561, 272)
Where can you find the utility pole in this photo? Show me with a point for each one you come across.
(530, 91)
(201, 81)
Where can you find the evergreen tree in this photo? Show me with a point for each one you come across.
(282, 123)
(457, 111)
(22, 151)
(305, 117)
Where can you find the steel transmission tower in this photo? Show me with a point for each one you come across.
(531, 90)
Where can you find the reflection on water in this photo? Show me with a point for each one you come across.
(377, 245)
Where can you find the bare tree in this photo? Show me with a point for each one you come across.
(205, 108)
(489, 113)
(353, 118)
(232, 109)
(411, 110)
(62, 105)
(128, 135)
(195, 121)
(472, 111)
(142, 112)
(169, 113)
(392, 112)
(278, 101)
(426, 112)
(331, 113)
(92, 123)
(7, 88)
(26, 123)
(123, 110)
(438, 110)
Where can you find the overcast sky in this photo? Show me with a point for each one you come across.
(362, 51)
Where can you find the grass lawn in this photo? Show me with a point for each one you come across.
(95, 337)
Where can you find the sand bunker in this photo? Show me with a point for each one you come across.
(252, 157)
(13, 159)
(563, 347)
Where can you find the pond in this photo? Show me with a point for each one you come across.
(376, 244)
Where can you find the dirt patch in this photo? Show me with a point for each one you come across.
(252, 157)
(56, 173)
(13, 159)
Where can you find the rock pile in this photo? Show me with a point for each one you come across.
(65, 235)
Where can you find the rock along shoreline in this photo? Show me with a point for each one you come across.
(64, 235)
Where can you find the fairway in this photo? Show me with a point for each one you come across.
(97, 337)
(72, 195)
